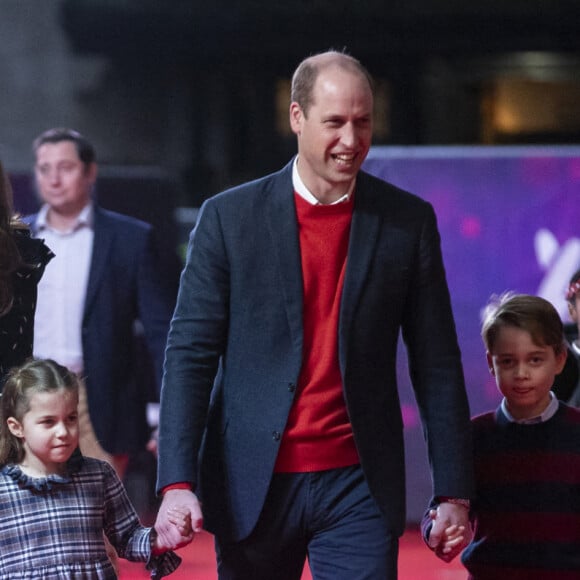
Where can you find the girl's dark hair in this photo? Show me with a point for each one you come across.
(530, 313)
(34, 376)
(10, 259)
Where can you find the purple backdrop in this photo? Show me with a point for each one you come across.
(509, 219)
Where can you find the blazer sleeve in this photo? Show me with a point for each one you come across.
(436, 370)
(195, 344)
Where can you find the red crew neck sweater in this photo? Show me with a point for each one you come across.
(318, 434)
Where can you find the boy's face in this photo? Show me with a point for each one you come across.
(524, 372)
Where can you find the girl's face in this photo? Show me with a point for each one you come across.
(524, 372)
(49, 431)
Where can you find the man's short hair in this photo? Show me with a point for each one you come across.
(84, 147)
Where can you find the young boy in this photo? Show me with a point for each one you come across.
(526, 515)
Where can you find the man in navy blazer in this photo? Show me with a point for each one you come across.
(280, 415)
(105, 296)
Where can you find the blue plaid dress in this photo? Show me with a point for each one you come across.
(52, 527)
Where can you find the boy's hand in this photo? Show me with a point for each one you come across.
(451, 530)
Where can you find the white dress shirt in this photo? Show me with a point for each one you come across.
(62, 290)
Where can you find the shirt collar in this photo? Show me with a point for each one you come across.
(86, 217)
(305, 193)
(547, 414)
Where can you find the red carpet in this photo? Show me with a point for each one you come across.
(416, 562)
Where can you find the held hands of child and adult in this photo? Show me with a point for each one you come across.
(451, 530)
(179, 518)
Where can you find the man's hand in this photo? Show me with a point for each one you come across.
(451, 530)
(184, 503)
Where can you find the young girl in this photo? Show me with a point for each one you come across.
(56, 504)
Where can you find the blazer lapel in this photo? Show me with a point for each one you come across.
(281, 220)
(365, 227)
(102, 242)
(364, 231)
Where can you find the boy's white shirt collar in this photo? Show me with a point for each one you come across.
(547, 414)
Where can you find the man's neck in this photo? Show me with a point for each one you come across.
(326, 193)
(62, 221)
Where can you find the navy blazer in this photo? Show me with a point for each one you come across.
(235, 349)
(126, 284)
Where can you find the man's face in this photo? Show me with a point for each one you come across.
(63, 180)
(335, 137)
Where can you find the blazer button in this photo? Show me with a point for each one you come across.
(276, 435)
(291, 387)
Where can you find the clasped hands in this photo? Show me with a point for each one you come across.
(178, 520)
(451, 530)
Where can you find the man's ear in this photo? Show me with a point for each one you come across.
(296, 116)
(91, 172)
(15, 427)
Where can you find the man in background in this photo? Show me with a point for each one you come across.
(106, 292)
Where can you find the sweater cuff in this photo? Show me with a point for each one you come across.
(456, 500)
(180, 485)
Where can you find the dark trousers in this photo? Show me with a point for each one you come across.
(327, 516)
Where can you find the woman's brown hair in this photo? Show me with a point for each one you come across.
(10, 259)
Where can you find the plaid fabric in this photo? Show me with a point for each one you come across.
(53, 527)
